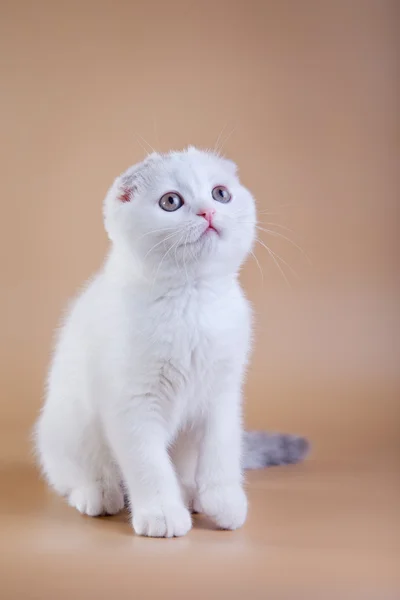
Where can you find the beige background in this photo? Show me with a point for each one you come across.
(310, 92)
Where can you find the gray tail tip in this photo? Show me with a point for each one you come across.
(266, 449)
(296, 447)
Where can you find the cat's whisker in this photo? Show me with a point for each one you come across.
(277, 258)
(176, 259)
(183, 255)
(226, 139)
(146, 150)
(276, 262)
(272, 253)
(241, 212)
(268, 213)
(140, 139)
(162, 260)
(216, 150)
(192, 254)
(279, 206)
(146, 142)
(284, 237)
(275, 233)
(168, 237)
(153, 231)
(275, 210)
(277, 225)
(258, 265)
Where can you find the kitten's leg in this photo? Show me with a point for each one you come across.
(184, 454)
(77, 463)
(139, 440)
(219, 472)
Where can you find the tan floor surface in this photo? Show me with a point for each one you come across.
(314, 531)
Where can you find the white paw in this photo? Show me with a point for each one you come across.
(225, 505)
(94, 500)
(162, 521)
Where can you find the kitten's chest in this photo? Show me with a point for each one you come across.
(194, 336)
(194, 328)
(196, 350)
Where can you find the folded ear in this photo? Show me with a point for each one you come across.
(127, 182)
(125, 192)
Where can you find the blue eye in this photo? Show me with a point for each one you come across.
(171, 201)
(221, 194)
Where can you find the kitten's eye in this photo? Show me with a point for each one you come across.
(171, 201)
(221, 194)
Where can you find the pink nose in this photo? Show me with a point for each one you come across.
(207, 214)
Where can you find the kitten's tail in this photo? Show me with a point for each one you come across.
(263, 449)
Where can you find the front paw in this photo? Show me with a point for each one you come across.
(225, 505)
(162, 521)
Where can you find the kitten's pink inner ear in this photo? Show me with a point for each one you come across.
(125, 195)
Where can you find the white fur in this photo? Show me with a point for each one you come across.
(145, 382)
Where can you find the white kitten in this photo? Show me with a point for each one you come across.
(145, 385)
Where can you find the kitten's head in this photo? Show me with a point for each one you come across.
(183, 212)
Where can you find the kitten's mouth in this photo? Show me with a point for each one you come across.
(206, 233)
(209, 229)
